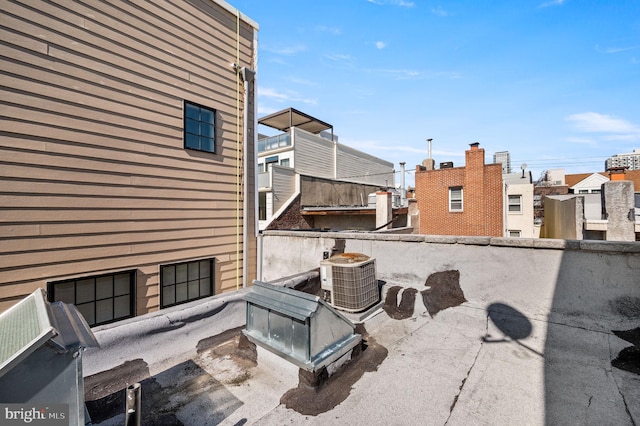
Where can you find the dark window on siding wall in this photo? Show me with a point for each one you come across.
(101, 299)
(199, 127)
(186, 281)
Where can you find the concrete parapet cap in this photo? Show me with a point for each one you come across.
(535, 243)
(550, 243)
(512, 242)
(474, 241)
(390, 237)
(572, 244)
(610, 246)
(441, 239)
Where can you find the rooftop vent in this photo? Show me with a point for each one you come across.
(446, 165)
(41, 358)
(349, 280)
(297, 326)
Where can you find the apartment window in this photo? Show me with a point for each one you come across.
(186, 281)
(262, 206)
(514, 233)
(537, 201)
(285, 162)
(583, 191)
(515, 203)
(455, 199)
(269, 161)
(100, 299)
(199, 127)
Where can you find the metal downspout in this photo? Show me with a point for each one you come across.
(247, 76)
(239, 190)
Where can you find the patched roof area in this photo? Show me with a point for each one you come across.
(456, 346)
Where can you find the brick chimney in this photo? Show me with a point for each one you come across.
(474, 157)
(617, 173)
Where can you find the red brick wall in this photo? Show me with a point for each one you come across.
(482, 198)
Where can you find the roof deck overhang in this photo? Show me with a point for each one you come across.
(291, 117)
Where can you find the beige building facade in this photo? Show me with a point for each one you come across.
(126, 153)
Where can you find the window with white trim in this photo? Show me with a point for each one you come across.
(186, 281)
(515, 203)
(100, 299)
(455, 199)
(514, 233)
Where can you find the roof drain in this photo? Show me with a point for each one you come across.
(298, 327)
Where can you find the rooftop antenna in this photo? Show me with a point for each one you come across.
(523, 166)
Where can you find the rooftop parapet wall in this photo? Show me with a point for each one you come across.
(576, 282)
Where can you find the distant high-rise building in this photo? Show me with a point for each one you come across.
(505, 158)
(631, 161)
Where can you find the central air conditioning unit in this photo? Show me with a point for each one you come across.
(349, 281)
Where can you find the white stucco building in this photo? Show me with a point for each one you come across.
(630, 160)
(308, 147)
(518, 206)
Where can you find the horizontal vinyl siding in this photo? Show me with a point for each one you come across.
(284, 185)
(356, 166)
(93, 174)
(313, 155)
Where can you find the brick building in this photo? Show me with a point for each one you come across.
(461, 200)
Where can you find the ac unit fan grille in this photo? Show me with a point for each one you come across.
(355, 288)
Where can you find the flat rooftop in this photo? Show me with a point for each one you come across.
(429, 359)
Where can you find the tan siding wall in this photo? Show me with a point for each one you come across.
(93, 174)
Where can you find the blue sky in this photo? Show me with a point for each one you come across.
(556, 83)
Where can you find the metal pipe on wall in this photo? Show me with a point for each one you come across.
(247, 77)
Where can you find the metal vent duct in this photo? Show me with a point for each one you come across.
(41, 357)
(297, 326)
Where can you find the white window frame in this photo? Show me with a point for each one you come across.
(454, 198)
(516, 205)
(514, 233)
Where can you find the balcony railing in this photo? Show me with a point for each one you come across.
(279, 141)
(264, 180)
